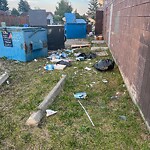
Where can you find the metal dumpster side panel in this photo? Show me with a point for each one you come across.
(39, 44)
(21, 38)
(55, 36)
(16, 52)
(75, 31)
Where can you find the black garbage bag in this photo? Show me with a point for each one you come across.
(68, 64)
(104, 65)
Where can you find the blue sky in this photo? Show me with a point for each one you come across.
(50, 5)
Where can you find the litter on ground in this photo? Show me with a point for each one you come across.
(104, 65)
(50, 112)
(86, 113)
(80, 95)
(59, 67)
(87, 68)
(3, 78)
(123, 118)
(105, 81)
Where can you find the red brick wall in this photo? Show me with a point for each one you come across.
(130, 46)
(14, 20)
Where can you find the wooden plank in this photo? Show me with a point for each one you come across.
(80, 45)
(3, 78)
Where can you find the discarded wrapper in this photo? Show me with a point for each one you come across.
(49, 67)
(59, 67)
(80, 95)
(87, 68)
(104, 81)
(123, 117)
(50, 112)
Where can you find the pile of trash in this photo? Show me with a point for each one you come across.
(63, 58)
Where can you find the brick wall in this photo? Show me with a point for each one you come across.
(14, 20)
(129, 33)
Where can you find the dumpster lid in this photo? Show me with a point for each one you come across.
(22, 28)
(80, 21)
(70, 18)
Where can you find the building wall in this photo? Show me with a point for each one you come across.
(127, 32)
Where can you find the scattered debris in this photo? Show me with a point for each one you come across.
(80, 58)
(123, 118)
(83, 56)
(80, 95)
(90, 34)
(104, 81)
(104, 65)
(59, 67)
(91, 56)
(63, 55)
(87, 68)
(7, 82)
(63, 62)
(54, 56)
(50, 112)
(69, 51)
(3, 78)
(77, 54)
(49, 67)
(86, 113)
(114, 97)
(123, 85)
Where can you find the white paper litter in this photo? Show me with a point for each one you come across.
(50, 112)
(59, 67)
(87, 68)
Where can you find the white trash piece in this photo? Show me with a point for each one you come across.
(50, 112)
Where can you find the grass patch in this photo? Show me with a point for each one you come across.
(70, 127)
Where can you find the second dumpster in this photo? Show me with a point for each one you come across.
(74, 28)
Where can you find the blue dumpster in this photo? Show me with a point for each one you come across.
(23, 43)
(74, 28)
